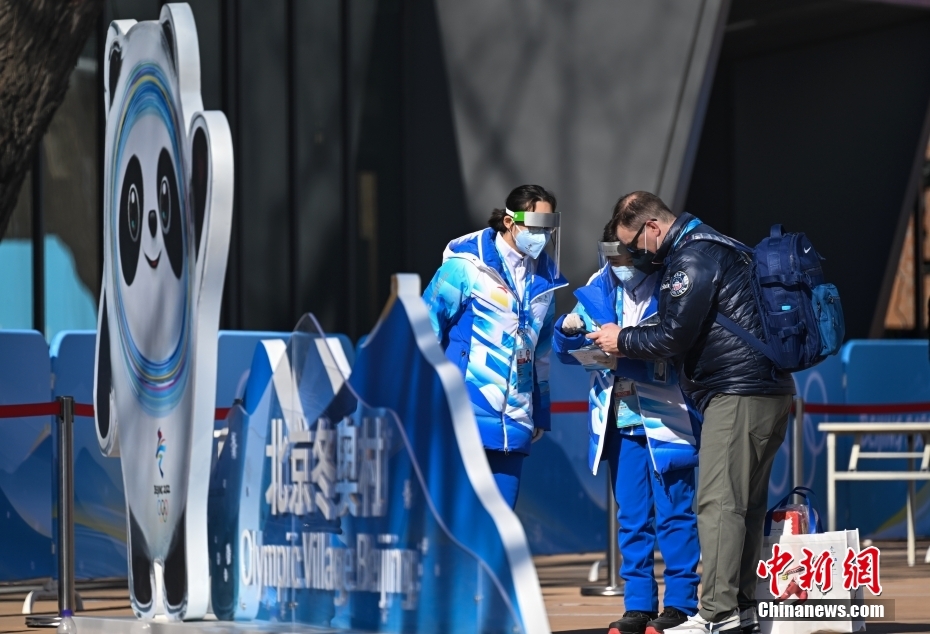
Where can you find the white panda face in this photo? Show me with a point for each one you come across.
(151, 239)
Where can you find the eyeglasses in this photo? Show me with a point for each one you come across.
(631, 247)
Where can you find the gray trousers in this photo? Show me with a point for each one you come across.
(739, 440)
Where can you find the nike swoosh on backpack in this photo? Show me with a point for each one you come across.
(808, 249)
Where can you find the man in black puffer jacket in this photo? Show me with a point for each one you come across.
(745, 400)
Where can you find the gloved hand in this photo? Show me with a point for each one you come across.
(538, 433)
(573, 324)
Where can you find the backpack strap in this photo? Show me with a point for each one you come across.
(719, 239)
(747, 337)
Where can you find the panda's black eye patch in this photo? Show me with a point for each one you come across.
(131, 203)
(169, 212)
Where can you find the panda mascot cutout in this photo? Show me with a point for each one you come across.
(167, 217)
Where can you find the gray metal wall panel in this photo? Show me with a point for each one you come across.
(590, 99)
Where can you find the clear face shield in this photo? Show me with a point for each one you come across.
(541, 233)
(617, 257)
(611, 253)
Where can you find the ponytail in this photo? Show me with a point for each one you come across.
(496, 221)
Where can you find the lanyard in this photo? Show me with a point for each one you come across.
(618, 305)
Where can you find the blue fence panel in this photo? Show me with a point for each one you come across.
(562, 505)
(99, 502)
(883, 372)
(25, 459)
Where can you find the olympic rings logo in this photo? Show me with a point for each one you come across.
(162, 507)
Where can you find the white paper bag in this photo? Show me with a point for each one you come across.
(787, 584)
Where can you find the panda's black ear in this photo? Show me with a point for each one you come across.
(115, 67)
(169, 40)
(200, 182)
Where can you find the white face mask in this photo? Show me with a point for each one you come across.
(624, 273)
(530, 242)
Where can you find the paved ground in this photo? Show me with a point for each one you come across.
(561, 578)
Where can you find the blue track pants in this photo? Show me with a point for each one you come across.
(653, 510)
(506, 468)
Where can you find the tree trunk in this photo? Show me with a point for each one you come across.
(40, 41)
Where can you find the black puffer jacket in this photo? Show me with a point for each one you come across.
(701, 278)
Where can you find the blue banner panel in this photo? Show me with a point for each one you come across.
(379, 514)
(99, 502)
(863, 373)
(883, 372)
(25, 459)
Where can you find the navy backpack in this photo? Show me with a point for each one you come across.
(801, 313)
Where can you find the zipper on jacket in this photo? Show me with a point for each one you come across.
(513, 292)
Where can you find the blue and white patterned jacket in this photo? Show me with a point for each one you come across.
(475, 313)
(671, 422)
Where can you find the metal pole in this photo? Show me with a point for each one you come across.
(831, 482)
(66, 506)
(797, 450)
(348, 180)
(38, 243)
(614, 588)
(911, 501)
(68, 599)
(293, 187)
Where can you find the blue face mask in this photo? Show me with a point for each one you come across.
(531, 243)
(624, 273)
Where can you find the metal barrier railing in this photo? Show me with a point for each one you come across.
(65, 409)
(858, 429)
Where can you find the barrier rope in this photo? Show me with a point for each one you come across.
(581, 407)
(26, 410)
(889, 408)
(569, 407)
(53, 408)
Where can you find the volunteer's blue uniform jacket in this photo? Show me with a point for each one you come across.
(475, 313)
(652, 464)
(672, 446)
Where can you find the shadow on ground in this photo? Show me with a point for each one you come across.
(872, 628)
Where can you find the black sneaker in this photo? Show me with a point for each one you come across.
(670, 617)
(633, 622)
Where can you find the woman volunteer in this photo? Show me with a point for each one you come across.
(643, 426)
(491, 305)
